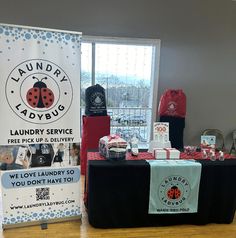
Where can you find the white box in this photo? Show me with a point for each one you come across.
(166, 153)
(156, 144)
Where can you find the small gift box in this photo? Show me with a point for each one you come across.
(112, 147)
(166, 153)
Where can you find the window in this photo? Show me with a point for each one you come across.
(128, 70)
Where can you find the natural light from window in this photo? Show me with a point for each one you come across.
(126, 71)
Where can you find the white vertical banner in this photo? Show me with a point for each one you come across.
(39, 85)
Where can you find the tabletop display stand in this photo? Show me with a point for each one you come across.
(94, 127)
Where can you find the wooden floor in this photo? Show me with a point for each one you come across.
(81, 228)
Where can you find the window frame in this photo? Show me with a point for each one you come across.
(155, 43)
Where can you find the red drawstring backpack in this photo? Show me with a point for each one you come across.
(172, 103)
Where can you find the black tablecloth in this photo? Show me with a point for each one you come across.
(118, 195)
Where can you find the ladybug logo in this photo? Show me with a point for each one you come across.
(40, 96)
(97, 99)
(39, 91)
(174, 192)
(171, 108)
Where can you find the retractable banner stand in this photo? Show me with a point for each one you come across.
(39, 123)
(40, 86)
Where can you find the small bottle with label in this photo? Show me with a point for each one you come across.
(134, 146)
(212, 155)
(204, 154)
(221, 156)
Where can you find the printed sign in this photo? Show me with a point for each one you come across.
(161, 132)
(40, 85)
(40, 195)
(208, 142)
(39, 155)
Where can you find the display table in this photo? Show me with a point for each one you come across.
(118, 194)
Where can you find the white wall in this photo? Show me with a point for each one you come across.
(198, 52)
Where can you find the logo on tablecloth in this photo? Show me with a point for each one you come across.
(174, 191)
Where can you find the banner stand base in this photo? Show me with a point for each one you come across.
(33, 223)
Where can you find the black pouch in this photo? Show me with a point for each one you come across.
(43, 156)
(95, 101)
(41, 160)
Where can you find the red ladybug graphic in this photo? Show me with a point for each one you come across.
(40, 96)
(173, 192)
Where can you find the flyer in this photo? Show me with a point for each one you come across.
(161, 132)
